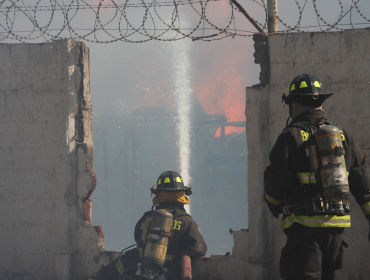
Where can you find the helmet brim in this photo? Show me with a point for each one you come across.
(328, 94)
(306, 96)
(174, 190)
(187, 191)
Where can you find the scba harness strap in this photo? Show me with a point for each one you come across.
(308, 128)
(324, 204)
(161, 233)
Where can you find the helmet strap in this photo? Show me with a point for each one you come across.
(188, 192)
(290, 115)
(287, 121)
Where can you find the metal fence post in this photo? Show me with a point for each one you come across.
(272, 11)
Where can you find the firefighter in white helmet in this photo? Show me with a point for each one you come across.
(308, 182)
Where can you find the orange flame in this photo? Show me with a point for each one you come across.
(220, 83)
(220, 74)
(221, 79)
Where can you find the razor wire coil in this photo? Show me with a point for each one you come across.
(139, 21)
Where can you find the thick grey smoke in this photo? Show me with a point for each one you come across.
(129, 80)
(133, 90)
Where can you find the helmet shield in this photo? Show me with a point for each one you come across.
(307, 90)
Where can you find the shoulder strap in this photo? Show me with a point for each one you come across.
(148, 213)
(177, 213)
(306, 126)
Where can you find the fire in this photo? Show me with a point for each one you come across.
(221, 74)
(221, 81)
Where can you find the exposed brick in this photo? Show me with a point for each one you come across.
(87, 211)
(99, 230)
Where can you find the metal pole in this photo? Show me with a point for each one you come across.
(244, 12)
(272, 12)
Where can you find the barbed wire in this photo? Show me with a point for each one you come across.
(138, 21)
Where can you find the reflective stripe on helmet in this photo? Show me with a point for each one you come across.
(366, 208)
(178, 179)
(166, 180)
(317, 221)
(303, 84)
(120, 267)
(272, 200)
(317, 84)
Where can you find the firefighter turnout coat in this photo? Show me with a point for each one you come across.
(186, 237)
(288, 179)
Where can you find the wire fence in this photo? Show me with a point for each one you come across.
(138, 21)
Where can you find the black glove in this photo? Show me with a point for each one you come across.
(276, 209)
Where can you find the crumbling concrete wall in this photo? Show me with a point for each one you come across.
(341, 61)
(46, 163)
(225, 267)
(46, 151)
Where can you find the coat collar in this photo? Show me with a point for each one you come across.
(316, 117)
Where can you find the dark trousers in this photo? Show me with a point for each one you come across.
(129, 261)
(311, 253)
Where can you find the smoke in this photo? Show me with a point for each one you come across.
(128, 76)
(139, 74)
(166, 76)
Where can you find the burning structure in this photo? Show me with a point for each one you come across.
(131, 151)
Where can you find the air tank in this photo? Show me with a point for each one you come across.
(332, 163)
(157, 241)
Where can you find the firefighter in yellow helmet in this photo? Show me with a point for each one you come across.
(167, 238)
(186, 241)
(308, 182)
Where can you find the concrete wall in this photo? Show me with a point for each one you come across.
(46, 170)
(227, 267)
(46, 148)
(46, 163)
(341, 61)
